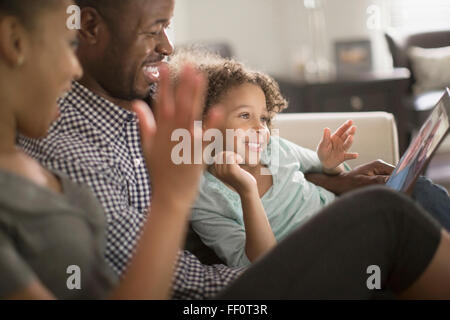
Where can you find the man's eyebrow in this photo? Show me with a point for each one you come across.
(161, 21)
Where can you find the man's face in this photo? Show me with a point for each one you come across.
(137, 44)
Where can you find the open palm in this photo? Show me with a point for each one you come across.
(333, 148)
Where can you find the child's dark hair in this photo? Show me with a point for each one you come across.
(224, 74)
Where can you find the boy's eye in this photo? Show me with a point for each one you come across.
(264, 119)
(244, 115)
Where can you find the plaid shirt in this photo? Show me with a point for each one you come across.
(97, 143)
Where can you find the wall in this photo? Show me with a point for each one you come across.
(269, 34)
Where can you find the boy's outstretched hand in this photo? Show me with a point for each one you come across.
(333, 148)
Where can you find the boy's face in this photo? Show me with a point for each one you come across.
(245, 109)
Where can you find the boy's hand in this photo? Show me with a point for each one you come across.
(229, 172)
(332, 149)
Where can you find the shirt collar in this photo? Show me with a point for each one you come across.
(106, 116)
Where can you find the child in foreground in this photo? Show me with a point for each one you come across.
(255, 199)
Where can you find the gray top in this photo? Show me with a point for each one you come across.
(43, 234)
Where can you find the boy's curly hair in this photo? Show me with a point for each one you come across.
(223, 74)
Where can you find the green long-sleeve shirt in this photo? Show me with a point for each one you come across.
(217, 213)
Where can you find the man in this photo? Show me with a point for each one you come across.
(96, 139)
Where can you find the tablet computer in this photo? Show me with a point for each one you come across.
(422, 148)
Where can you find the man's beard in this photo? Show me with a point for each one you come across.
(134, 95)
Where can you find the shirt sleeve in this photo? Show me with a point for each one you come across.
(222, 234)
(308, 159)
(15, 273)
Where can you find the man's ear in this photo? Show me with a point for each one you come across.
(12, 41)
(91, 26)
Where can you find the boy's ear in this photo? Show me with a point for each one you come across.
(13, 41)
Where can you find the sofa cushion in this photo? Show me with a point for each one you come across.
(431, 68)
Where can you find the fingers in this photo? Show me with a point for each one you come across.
(147, 124)
(326, 138)
(348, 143)
(228, 157)
(179, 107)
(383, 168)
(213, 120)
(380, 179)
(377, 167)
(226, 162)
(326, 135)
(189, 97)
(343, 128)
(214, 117)
(185, 95)
(165, 104)
(349, 133)
(371, 180)
(351, 156)
(199, 97)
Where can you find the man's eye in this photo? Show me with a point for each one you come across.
(156, 31)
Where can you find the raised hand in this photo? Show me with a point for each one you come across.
(333, 148)
(175, 108)
(150, 273)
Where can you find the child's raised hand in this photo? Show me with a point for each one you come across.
(332, 149)
(227, 169)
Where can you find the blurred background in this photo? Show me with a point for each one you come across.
(275, 35)
(336, 55)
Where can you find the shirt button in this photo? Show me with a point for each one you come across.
(137, 162)
(130, 117)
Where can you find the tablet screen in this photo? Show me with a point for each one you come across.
(422, 147)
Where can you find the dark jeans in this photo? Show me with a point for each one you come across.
(329, 256)
(434, 199)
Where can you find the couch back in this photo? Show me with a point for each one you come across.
(376, 136)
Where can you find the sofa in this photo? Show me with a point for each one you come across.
(420, 104)
(376, 138)
(400, 44)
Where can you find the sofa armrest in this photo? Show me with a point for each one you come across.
(376, 136)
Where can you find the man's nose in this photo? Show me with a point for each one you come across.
(165, 46)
